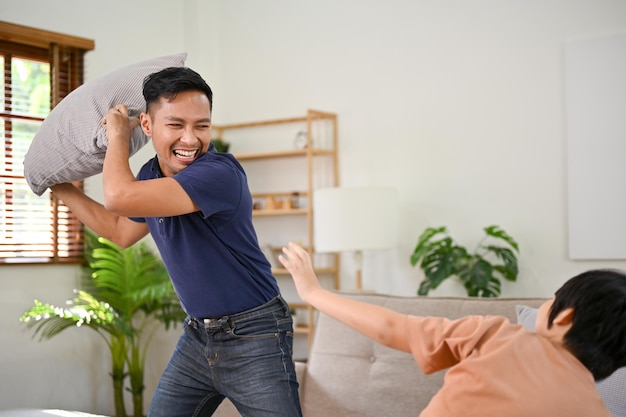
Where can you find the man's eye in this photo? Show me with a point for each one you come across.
(175, 125)
(204, 126)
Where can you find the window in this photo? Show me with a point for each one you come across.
(39, 69)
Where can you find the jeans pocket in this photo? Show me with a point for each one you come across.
(266, 325)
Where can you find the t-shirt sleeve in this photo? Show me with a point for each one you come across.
(215, 186)
(438, 343)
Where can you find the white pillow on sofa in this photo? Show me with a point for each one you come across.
(71, 143)
(612, 389)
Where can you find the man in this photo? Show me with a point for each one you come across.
(195, 202)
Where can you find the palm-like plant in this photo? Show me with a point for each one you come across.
(125, 295)
(480, 272)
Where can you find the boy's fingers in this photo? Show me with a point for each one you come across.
(294, 247)
(289, 248)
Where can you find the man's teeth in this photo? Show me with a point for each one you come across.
(185, 154)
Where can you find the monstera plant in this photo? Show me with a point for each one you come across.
(480, 271)
(126, 295)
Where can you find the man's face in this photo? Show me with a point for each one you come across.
(180, 130)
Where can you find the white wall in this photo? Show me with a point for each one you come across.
(458, 104)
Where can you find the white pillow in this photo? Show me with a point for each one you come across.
(71, 143)
(612, 389)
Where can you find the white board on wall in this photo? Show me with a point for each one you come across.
(595, 91)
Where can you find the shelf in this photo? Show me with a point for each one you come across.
(280, 212)
(318, 271)
(302, 329)
(312, 166)
(306, 328)
(298, 305)
(311, 115)
(289, 153)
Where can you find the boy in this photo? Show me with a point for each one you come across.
(497, 368)
(195, 202)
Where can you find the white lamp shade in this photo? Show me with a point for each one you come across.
(355, 219)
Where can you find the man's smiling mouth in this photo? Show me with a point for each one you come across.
(185, 154)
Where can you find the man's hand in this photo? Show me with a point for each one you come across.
(118, 125)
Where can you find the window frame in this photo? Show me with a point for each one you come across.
(65, 54)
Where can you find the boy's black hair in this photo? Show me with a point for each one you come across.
(168, 82)
(598, 333)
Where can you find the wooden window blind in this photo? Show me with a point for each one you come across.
(39, 69)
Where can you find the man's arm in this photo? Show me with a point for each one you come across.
(120, 230)
(123, 194)
(378, 323)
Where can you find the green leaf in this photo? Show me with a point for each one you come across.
(424, 288)
(491, 290)
(441, 262)
(509, 270)
(478, 274)
(506, 272)
(498, 233)
(423, 243)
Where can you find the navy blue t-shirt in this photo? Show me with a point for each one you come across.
(213, 256)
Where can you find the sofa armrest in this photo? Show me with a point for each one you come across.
(301, 375)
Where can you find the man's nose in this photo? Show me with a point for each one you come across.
(188, 136)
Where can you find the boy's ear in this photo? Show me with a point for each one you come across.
(565, 317)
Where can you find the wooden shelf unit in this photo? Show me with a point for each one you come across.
(315, 147)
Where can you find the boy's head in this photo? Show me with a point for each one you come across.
(597, 336)
(168, 82)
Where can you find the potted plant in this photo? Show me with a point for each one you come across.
(126, 295)
(220, 145)
(480, 272)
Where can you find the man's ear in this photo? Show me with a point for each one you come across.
(565, 317)
(146, 124)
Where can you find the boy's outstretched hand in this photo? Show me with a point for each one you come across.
(379, 323)
(298, 262)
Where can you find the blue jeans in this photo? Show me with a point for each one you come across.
(246, 357)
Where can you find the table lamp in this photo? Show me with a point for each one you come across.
(355, 219)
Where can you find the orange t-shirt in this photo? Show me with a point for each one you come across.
(500, 369)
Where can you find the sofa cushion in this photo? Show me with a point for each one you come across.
(612, 389)
(349, 375)
(71, 143)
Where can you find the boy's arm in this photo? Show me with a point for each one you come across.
(378, 323)
(120, 230)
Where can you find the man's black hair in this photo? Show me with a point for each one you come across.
(168, 82)
(598, 333)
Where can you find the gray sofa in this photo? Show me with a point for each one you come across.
(348, 375)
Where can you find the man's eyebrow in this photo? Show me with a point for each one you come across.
(180, 119)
